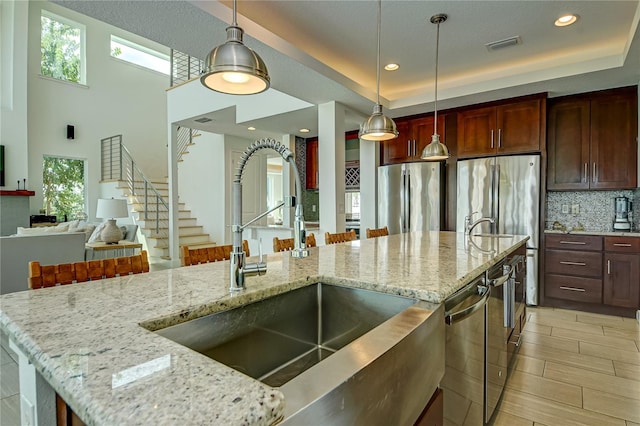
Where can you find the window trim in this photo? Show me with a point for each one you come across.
(83, 43)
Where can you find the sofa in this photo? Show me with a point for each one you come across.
(17, 251)
(63, 243)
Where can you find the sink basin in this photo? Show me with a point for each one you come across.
(338, 354)
(278, 338)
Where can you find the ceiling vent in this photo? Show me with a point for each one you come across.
(203, 120)
(501, 44)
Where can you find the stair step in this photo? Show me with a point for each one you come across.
(184, 240)
(182, 221)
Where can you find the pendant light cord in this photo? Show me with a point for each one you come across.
(234, 23)
(378, 55)
(435, 105)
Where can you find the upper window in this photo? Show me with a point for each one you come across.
(140, 55)
(62, 48)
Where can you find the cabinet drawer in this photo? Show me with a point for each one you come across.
(622, 244)
(569, 262)
(574, 242)
(587, 290)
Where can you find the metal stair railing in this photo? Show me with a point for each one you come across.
(184, 67)
(117, 163)
(185, 137)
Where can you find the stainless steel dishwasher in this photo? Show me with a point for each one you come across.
(507, 296)
(463, 382)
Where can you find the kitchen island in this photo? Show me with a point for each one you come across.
(92, 341)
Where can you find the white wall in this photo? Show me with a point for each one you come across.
(119, 98)
(201, 183)
(13, 90)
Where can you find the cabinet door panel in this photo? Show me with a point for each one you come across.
(568, 145)
(578, 263)
(622, 280)
(476, 132)
(574, 242)
(622, 244)
(578, 289)
(312, 164)
(398, 150)
(613, 142)
(518, 127)
(423, 130)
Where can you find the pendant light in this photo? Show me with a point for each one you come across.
(234, 68)
(436, 150)
(378, 126)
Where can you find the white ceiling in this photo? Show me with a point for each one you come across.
(320, 51)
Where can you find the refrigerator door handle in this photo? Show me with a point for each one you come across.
(408, 201)
(496, 217)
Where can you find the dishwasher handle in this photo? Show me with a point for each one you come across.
(454, 317)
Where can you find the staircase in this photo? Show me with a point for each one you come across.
(148, 201)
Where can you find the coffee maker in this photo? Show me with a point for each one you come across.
(622, 219)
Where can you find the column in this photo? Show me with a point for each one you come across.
(369, 162)
(331, 148)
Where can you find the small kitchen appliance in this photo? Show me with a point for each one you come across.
(622, 221)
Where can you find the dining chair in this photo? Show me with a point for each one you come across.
(377, 232)
(286, 244)
(339, 237)
(196, 256)
(41, 276)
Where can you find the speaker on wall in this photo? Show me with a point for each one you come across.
(1, 165)
(70, 132)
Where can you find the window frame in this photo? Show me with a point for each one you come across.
(140, 48)
(83, 44)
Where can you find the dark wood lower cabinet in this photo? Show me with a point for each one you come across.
(622, 280)
(433, 413)
(65, 415)
(593, 273)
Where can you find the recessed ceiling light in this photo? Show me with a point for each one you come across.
(251, 128)
(565, 20)
(391, 67)
(304, 130)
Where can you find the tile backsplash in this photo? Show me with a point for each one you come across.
(595, 209)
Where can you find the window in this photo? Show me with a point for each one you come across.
(274, 189)
(148, 58)
(62, 48)
(63, 187)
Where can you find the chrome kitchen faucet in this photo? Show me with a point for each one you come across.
(239, 268)
(468, 225)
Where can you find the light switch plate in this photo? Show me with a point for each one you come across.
(565, 208)
(575, 209)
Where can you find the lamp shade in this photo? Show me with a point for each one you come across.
(378, 127)
(111, 208)
(436, 150)
(234, 68)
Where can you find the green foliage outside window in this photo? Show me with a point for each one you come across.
(63, 187)
(60, 50)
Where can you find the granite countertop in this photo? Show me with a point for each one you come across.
(86, 339)
(603, 233)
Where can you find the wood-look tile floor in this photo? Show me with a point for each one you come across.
(574, 368)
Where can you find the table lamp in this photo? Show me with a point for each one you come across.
(111, 209)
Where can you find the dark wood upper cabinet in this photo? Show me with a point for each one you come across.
(592, 141)
(413, 135)
(568, 144)
(312, 164)
(502, 129)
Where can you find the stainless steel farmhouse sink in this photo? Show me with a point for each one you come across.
(335, 352)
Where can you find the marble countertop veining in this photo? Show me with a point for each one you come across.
(603, 233)
(87, 341)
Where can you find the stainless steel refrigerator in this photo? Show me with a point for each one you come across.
(410, 197)
(508, 190)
